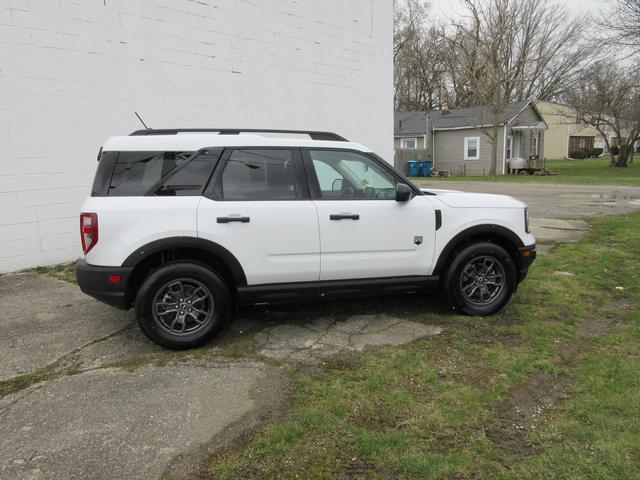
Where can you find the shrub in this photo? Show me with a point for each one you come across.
(615, 150)
(596, 152)
(579, 154)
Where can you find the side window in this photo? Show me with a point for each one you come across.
(472, 148)
(350, 175)
(254, 174)
(328, 177)
(136, 172)
(409, 143)
(192, 178)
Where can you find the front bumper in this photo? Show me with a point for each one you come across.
(527, 256)
(95, 281)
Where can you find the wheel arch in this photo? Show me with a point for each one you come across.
(497, 234)
(144, 259)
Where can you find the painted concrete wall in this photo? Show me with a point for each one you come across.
(73, 72)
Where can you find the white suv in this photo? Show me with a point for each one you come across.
(187, 224)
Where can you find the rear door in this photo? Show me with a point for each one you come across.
(364, 232)
(258, 207)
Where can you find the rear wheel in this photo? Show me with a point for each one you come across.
(481, 279)
(182, 305)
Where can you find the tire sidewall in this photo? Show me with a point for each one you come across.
(464, 256)
(174, 271)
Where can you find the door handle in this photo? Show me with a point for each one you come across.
(234, 219)
(344, 216)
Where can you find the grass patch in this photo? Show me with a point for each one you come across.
(423, 410)
(61, 271)
(593, 171)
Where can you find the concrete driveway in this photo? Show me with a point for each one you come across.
(556, 210)
(83, 394)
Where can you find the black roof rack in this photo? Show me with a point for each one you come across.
(328, 136)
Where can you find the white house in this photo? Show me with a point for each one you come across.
(73, 73)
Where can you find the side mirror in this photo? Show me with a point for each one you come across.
(403, 192)
(336, 185)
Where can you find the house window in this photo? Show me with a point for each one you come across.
(472, 148)
(509, 146)
(409, 143)
(535, 138)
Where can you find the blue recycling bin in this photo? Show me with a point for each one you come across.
(413, 166)
(425, 168)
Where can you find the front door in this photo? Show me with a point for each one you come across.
(364, 232)
(517, 136)
(259, 210)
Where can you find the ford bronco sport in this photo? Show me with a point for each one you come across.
(185, 225)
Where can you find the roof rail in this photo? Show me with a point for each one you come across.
(327, 136)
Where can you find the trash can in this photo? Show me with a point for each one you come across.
(413, 166)
(425, 168)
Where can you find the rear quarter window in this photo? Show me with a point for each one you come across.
(102, 179)
(135, 173)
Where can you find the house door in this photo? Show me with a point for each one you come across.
(517, 136)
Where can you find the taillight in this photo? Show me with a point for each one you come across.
(88, 231)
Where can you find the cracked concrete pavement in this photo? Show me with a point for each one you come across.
(114, 423)
(83, 393)
(326, 336)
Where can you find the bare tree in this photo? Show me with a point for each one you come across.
(608, 98)
(511, 50)
(418, 59)
(622, 25)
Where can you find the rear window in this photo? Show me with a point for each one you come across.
(136, 172)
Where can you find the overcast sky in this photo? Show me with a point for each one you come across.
(448, 8)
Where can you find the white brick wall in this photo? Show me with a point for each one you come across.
(73, 72)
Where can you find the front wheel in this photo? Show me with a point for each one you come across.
(481, 279)
(182, 305)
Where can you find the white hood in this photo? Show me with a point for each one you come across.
(458, 199)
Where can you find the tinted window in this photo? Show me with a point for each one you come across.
(103, 174)
(136, 172)
(193, 177)
(343, 174)
(259, 175)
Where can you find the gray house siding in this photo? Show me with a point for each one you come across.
(449, 152)
(450, 133)
(528, 115)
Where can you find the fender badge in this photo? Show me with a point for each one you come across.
(417, 239)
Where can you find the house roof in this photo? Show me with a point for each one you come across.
(415, 123)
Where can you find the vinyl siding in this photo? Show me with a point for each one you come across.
(528, 115)
(449, 152)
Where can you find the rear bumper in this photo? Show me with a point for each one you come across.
(94, 280)
(527, 256)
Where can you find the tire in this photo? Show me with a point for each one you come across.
(198, 296)
(468, 267)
